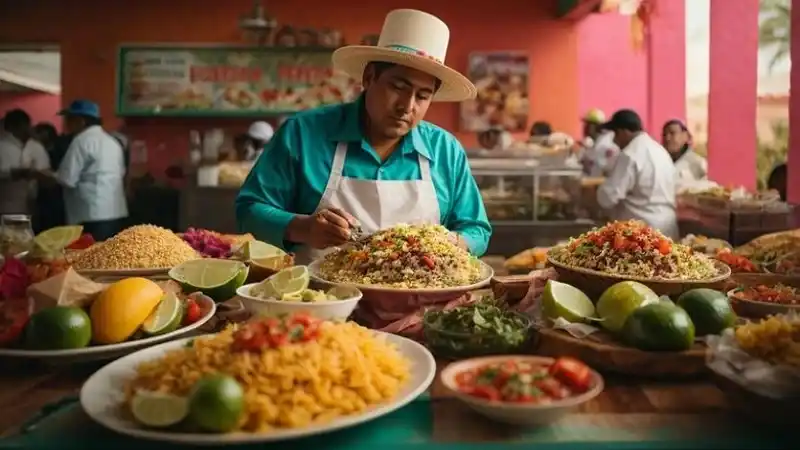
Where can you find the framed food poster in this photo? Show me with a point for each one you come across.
(227, 81)
(502, 82)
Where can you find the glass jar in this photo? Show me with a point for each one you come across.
(16, 234)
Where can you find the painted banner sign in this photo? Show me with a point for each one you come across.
(227, 81)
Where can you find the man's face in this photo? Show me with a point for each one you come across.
(397, 100)
(622, 138)
(73, 124)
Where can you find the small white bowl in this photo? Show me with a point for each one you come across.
(327, 310)
(516, 413)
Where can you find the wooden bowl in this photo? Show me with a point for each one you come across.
(512, 287)
(758, 310)
(594, 283)
(603, 353)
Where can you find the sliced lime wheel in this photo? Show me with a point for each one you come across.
(158, 410)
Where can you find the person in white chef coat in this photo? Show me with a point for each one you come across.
(642, 183)
(689, 166)
(260, 133)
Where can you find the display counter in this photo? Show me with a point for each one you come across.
(530, 204)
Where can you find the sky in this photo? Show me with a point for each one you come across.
(697, 39)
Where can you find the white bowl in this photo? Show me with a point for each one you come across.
(516, 413)
(327, 310)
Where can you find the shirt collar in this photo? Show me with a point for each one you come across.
(349, 130)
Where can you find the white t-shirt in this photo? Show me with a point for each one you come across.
(642, 186)
(93, 172)
(598, 160)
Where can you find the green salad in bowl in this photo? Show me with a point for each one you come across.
(478, 329)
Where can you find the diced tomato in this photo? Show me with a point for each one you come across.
(487, 392)
(664, 247)
(85, 241)
(428, 261)
(573, 373)
(619, 242)
(193, 312)
(552, 388)
(465, 379)
(14, 315)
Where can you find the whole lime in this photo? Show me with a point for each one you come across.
(620, 300)
(710, 310)
(58, 328)
(216, 403)
(659, 327)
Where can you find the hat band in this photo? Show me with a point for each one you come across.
(412, 51)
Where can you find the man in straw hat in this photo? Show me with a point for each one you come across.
(372, 163)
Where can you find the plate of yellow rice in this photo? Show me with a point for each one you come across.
(342, 376)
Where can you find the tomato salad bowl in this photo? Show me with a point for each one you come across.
(522, 389)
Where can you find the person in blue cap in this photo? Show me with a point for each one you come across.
(92, 173)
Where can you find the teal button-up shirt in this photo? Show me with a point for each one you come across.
(290, 176)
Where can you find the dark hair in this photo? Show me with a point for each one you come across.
(541, 128)
(777, 180)
(16, 118)
(379, 67)
(47, 131)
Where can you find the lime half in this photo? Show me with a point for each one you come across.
(257, 250)
(289, 282)
(568, 302)
(55, 240)
(166, 317)
(216, 278)
(158, 410)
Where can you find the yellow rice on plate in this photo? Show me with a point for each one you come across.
(344, 371)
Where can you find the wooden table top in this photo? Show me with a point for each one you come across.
(627, 406)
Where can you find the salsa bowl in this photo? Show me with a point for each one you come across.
(518, 413)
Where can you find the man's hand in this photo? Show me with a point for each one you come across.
(328, 227)
(459, 241)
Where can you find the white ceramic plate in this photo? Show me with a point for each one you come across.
(486, 274)
(102, 395)
(111, 351)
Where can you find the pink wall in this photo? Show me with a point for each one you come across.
(793, 175)
(41, 107)
(613, 75)
(733, 92)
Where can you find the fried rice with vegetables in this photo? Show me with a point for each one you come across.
(631, 248)
(405, 256)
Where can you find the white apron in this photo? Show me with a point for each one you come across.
(377, 204)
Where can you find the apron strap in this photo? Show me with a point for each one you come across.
(338, 160)
(424, 168)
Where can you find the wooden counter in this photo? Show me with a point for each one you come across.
(627, 411)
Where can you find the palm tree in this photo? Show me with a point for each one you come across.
(774, 29)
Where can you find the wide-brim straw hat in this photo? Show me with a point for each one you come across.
(413, 39)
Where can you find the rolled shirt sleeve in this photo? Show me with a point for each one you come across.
(616, 187)
(266, 197)
(467, 215)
